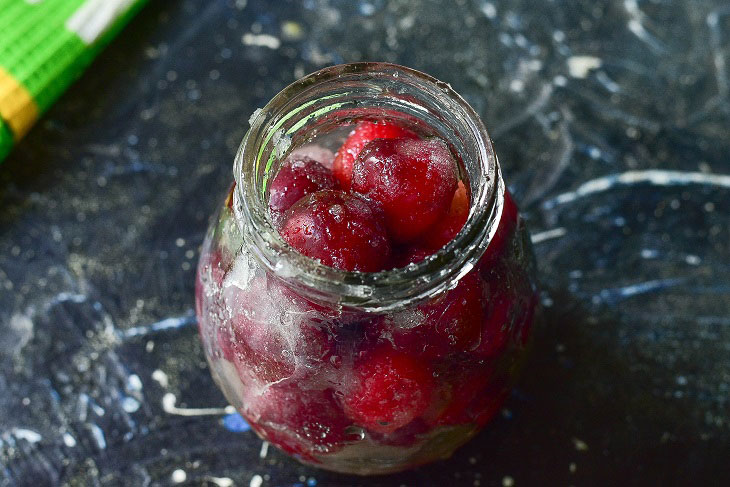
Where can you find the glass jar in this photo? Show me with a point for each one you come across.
(365, 373)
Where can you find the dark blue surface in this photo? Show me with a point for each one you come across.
(611, 123)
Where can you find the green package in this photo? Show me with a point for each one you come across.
(44, 46)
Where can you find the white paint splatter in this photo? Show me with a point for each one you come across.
(222, 481)
(638, 288)
(655, 177)
(98, 436)
(69, 440)
(649, 253)
(179, 476)
(168, 405)
(134, 383)
(25, 434)
(161, 378)
(580, 66)
(21, 331)
(580, 445)
(130, 404)
(548, 235)
(607, 82)
(489, 10)
(637, 18)
(162, 325)
(713, 20)
(261, 40)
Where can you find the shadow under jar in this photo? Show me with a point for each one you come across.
(365, 372)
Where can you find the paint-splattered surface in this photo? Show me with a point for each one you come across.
(611, 121)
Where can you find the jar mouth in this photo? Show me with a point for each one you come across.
(302, 109)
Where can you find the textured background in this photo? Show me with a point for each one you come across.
(611, 120)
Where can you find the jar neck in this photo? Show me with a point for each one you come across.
(339, 95)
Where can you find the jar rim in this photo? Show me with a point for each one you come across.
(388, 290)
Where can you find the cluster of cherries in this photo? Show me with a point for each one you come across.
(389, 198)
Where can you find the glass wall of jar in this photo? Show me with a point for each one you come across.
(365, 372)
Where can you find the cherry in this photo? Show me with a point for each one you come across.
(341, 230)
(451, 324)
(297, 177)
(457, 317)
(505, 230)
(459, 389)
(390, 389)
(363, 133)
(264, 346)
(524, 326)
(300, 421)
(475, 403)
(496, 328)
(445, 229)
(413, 180)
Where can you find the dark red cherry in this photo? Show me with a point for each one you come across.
(341, 230)
(358, 138)
(296, 178)
(445, 229)
(449, 324)
(390, 389)
(270, 335)
(300, 421)
(413, 180)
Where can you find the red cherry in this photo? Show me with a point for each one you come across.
(258, 352)
(341, 230)
(390, 389)
(458, 316)
(413, 180)
(450, 324)
(265, 347)
(441, 233)
(505, 230)
(358, 138)
(303, 422)
(524, 324)
(459, 390)
(297, 177)
(497, 327)
(445, 229)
